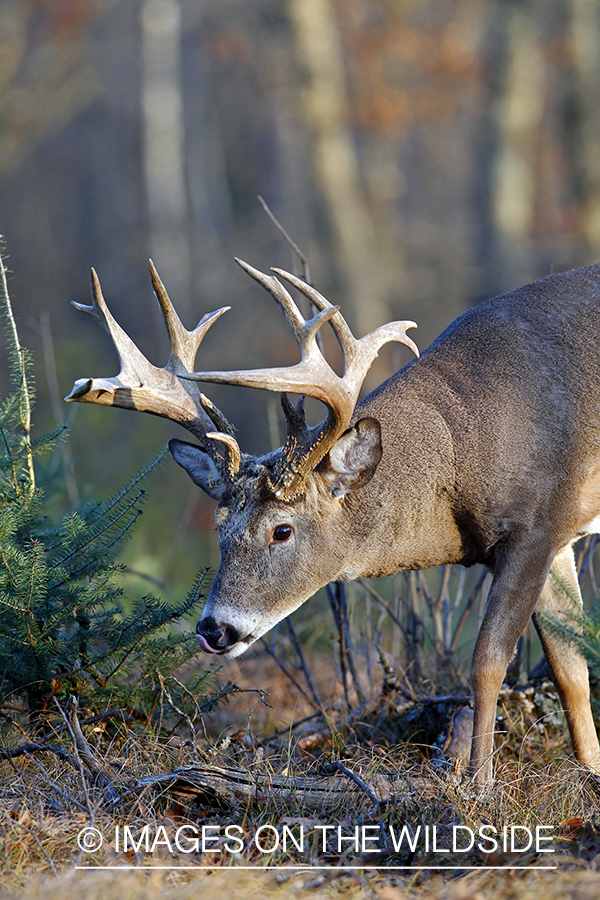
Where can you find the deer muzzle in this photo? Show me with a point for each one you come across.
(214, 638)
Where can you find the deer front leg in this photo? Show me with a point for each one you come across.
(568, 667)
(518, 580)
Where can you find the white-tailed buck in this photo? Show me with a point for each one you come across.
(486, 449)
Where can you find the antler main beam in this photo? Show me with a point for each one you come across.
(172, 392)
(312, 376)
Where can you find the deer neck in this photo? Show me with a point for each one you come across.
(403, 518)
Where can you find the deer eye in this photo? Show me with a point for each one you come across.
(282, 533)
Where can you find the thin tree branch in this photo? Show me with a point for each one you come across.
(298, 649)
(289, 675)
(292, 244)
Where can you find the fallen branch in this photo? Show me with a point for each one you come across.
(26, 749)
(84, 753)
(230, 786)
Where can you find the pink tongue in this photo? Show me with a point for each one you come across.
(204, 645)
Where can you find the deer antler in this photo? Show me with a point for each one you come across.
(162, 392)
(313, 376)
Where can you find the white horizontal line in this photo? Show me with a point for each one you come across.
(309, 868)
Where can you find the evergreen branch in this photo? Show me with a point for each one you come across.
(17, 607)
(118, 642)
(95, 511)
(120, 663)
(72, 611)
(97, 531)
(2, 554)
(42, 442)
(9, 457)
(29, 615)
(58, 579)
(8, 636)
(121, 534)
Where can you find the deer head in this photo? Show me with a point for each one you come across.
(283, 518)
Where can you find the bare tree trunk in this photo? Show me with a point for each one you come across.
(164, 169)
(319, 51)
(586, 42)
(519, 119)
(42, 92)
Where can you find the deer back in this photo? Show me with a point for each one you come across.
(505, 408)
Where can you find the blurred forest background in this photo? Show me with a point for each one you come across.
(423, 154)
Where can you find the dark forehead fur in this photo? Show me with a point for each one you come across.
(252, 483)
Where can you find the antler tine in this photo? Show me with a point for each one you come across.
(282, 297)
(162, 392)
(233, 458)
(184, 343)
(217, 417)
(352, 348)
(304, 329)
(313, 376)
(346, 339)
(392, 331)
(129, 354)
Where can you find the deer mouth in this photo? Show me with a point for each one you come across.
(234, 650)
(205, 646)
(220, 640)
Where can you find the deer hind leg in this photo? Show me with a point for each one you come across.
(569, 669)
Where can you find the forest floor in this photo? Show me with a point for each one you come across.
(357, 803)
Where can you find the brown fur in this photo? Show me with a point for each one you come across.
(490, 454)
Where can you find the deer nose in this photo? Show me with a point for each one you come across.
(214, 638)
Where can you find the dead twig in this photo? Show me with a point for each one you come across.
(184, 716)
(46, 778)
(79, 764)
(117, 713)
(338, 766)
(288, 674)
(381, 602)
(26, 749)
(470, 601)
(336, 593)
(290, 728)
(84, 753)
(303, 665)
(392, 682)
(301, 256)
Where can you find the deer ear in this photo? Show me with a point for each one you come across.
(352, 460)
(199, 467)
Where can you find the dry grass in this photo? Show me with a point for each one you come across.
(45, 801)
(40, 820)
(577, 884)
